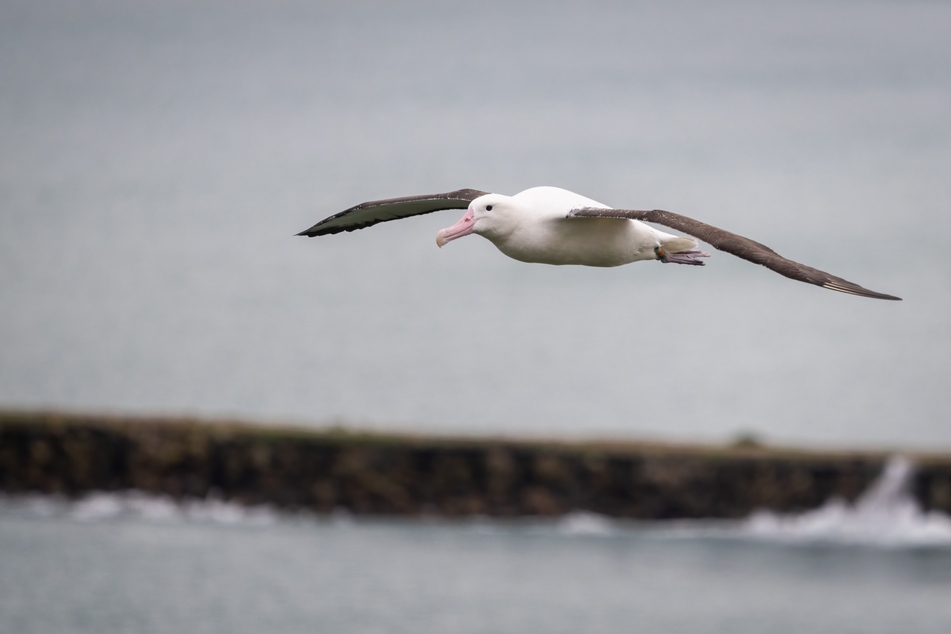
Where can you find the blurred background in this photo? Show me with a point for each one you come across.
(156, 159)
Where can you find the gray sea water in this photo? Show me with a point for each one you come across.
(132, 562)
(156, 158)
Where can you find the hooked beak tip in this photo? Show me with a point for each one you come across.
(464, 227)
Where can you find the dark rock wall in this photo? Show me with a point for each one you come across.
(369, 474)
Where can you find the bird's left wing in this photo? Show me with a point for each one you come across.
(374, 211)
(739, 246)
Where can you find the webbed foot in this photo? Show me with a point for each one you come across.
(683, 257)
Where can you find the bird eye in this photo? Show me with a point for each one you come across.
(488, 207)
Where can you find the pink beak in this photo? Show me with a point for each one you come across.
(462, 228)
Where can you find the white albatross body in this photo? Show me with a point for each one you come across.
(549, 225)
(530, 227)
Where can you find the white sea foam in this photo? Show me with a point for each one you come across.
(885, 515)
(108, 506)
(586, 523)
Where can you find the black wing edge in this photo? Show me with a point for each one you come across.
(412, 206)
(737, 245)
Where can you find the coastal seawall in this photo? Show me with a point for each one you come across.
(382, 474)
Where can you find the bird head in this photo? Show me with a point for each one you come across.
(492, 216)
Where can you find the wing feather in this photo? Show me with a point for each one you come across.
(370, 213)
(739, 246)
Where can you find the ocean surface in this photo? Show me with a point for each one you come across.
(130, 562)
(156, 159)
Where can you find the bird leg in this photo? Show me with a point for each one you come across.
(683, 257)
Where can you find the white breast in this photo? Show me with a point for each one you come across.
(544, 235)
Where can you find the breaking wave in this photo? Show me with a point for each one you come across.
(886, 514)
(138, 505)
(586, 523)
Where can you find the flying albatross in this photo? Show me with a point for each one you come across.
(555, 226)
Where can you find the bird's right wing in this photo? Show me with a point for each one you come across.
(739, 246)
(374, 211)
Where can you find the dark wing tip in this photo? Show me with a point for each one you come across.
(313, 232)
(855, 289)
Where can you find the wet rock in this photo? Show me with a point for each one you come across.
(332, 470)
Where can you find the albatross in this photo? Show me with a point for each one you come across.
(549, 225)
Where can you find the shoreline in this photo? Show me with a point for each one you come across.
(370, 473)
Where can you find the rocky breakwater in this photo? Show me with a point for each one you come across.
(410, 475)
